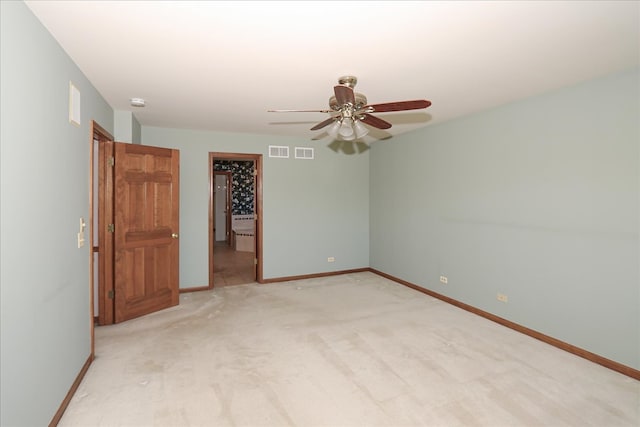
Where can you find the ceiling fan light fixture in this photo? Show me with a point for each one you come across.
(346, 129)
(334, 128)
(360, 129)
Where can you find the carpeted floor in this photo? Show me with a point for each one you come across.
(349, 350)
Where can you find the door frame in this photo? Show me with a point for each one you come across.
(106, 216)
(257, 199)
(229, 181)
(97, 135)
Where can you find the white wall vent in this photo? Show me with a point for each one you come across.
(281, 151)
(304, 153)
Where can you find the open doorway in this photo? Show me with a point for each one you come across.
(235, 219)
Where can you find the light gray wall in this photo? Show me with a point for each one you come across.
(126, 127)
(537, 200)
(136, 130)
(44, 292)
(122, 126)
(312, 209)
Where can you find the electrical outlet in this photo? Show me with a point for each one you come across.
(443, 279)
(331, 259)
(502, 298)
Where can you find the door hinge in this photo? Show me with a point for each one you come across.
(111, 294)
(255, 172)
(255, 261)
(112, 161)
(111, 228)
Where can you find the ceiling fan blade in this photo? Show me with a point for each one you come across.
(398, 106)
(344, 95)
(324, 123)
(300, 111)
(375, 122)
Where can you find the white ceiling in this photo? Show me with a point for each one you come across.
(217, 65)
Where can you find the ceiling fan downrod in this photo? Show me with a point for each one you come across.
(349, 81)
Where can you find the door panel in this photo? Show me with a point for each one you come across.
(146, 229)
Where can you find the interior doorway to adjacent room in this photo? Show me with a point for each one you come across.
(235, 219)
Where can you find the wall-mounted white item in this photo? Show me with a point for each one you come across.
(81, 233)
(304, 153)
(137, 102)
(280, 151)
(74, 105)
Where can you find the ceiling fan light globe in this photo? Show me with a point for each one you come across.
(333, 129)
(346, 129)
(360, 129)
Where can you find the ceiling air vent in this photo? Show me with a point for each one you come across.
(279, 151)
(304, 153)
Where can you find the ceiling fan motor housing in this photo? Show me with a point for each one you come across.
(361, 101)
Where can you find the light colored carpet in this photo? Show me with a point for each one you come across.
(349, 350)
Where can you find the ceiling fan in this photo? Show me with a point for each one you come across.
(349, 109)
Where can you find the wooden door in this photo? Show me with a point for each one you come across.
(146, 229)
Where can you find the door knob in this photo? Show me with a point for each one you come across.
(174, 235)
